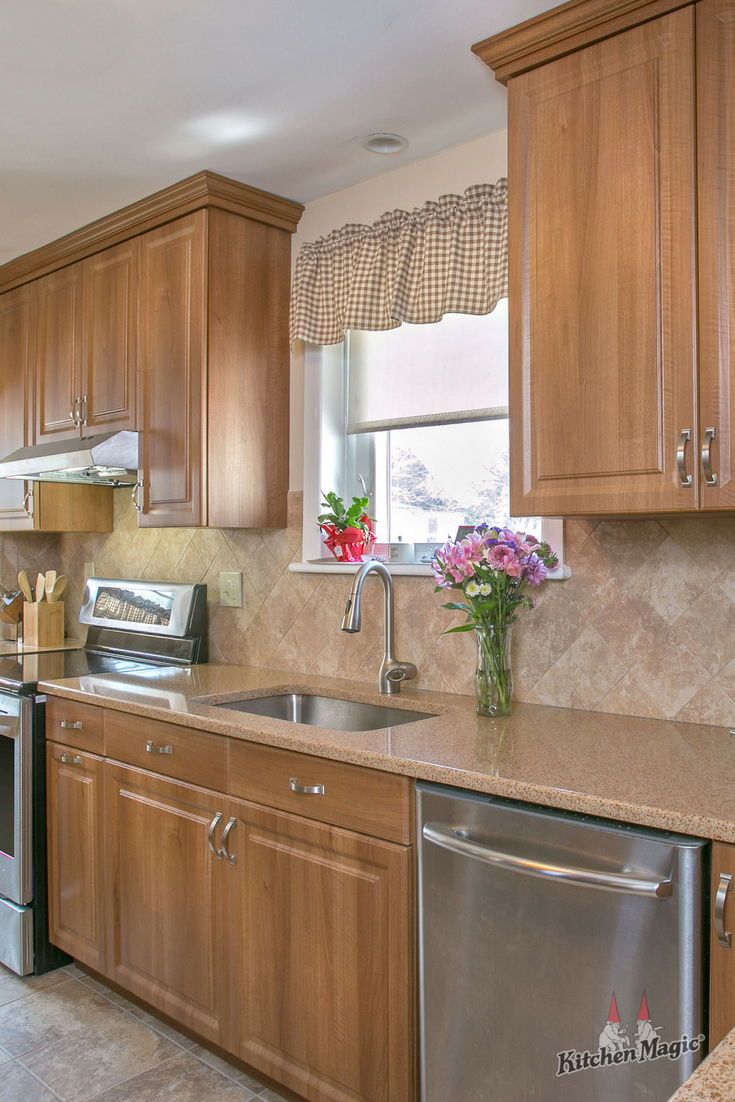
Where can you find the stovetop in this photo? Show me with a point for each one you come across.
(21, 673)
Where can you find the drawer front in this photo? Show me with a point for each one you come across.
(351, 796)
(168, 749)
(75, 724)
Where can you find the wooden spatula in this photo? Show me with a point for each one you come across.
(40, 587)
(25, 585)
(50, 581)
(59, 587)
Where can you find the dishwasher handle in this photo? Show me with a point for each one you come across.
(455, 841)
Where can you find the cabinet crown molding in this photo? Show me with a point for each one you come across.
(202, 190)
(564, 29)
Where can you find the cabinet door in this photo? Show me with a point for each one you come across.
(172, 365)
(109, 342)
(716, 154)
(722, 949)
(58, 353)
(602, 319)
(321, 952)
(75, 854)
(17, 364)
(166, 906)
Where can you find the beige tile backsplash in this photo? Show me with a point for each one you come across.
(645, 626)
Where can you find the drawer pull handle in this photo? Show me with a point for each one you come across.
(710, 477)
(225, 835)
(69, 726)
(306, 789)
(151, 748)
(218, 853)
(685, 479)
(723, 936)
(70, 759)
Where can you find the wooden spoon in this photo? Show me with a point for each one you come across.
(50, 581)
(25, 585)
(40, 587)
(59, 587)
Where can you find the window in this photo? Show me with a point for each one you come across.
(417, 418)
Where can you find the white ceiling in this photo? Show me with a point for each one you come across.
(104, 101)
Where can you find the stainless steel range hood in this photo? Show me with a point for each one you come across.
(106, 459)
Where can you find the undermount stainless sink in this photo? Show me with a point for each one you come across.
(326, 711)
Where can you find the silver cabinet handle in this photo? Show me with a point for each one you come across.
(28, 503)
(709, 435)
(67, 724)
(136, 503)
(70, 759)
(681, 464)
(218, 853)
(306, 789)
(456, 842)
(723, 936)
(225, 835)
(151, 748)
(83, 410)
(73, 414)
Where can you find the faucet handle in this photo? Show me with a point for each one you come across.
(397, 673)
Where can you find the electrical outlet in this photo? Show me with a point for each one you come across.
(230, 589)
(88, 570)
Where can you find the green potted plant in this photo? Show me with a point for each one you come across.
(349, 531)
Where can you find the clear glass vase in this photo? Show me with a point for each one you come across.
(493, 679)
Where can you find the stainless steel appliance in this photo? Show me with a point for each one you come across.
(132, 626)
(561, 957)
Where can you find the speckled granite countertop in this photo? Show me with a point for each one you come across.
(714, 1079)
(675, 776)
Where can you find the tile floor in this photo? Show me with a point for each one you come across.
(64, 1037)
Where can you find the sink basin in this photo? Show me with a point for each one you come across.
(326, 711)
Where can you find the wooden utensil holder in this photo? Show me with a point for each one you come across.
(43, 624)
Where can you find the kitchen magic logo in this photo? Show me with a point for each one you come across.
(615, 1046)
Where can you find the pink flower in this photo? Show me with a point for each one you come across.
(503, 558)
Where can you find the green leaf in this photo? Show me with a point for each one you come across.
(462, 627)
(457, 606)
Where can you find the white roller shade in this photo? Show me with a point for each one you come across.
(451, 371)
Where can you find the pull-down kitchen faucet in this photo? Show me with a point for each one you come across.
(392, 672)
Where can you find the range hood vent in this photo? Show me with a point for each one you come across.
(106, 459)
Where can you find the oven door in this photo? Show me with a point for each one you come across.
(16, 747)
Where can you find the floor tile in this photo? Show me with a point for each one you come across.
(18, 1085)
(4, 1056)
(181, 1079)
(14, 987)
(107, 992)
(54, 1014)
(165, 1030)
(84, 1065)
(233, 1073)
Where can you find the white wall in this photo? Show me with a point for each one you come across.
(453, 170)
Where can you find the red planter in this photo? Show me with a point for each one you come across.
(349, 544)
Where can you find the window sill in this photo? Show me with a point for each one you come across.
(397, 569)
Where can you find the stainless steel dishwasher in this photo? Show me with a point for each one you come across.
(561, 957)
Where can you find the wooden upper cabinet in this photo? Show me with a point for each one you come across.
(716, 154)
(59, 354)
(602, 277)
(722, 946)
(108, 379)
(17, 365)
(172, 363)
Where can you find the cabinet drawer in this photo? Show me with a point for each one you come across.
(75, 724)
(166, 748)
(349, 796)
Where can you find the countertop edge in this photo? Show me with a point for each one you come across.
(714, 1079)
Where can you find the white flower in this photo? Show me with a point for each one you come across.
(486, 589)
(473, 589)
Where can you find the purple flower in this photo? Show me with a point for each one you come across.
(534, 571)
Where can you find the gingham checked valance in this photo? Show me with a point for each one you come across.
(449, 256)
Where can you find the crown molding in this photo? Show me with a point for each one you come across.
(564, 29)
(203, 190)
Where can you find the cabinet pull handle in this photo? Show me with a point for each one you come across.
(70, 759)
(68, 725)
(136, 504)
(681, 448)
(73, 414)
(306, 789)
(210, 836)
(83, 410)
(723, 936)
(710, 477)
(151, 748)
(28, 503)
(225, 835)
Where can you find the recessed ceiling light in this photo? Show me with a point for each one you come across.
(385, 143)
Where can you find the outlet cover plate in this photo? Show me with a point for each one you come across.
(230, 589)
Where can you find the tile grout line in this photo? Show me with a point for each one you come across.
(19, 1062)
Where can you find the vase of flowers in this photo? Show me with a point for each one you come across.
(348, 530)
(493, 568)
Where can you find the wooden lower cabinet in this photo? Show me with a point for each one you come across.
(722, 956)
(322, 957)
(166, 898)
(76, 889)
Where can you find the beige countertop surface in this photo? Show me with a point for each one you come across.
(714, 1079)
(674, 776)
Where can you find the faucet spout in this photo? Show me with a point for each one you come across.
(392, 672)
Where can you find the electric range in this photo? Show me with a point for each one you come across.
(131, 626)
